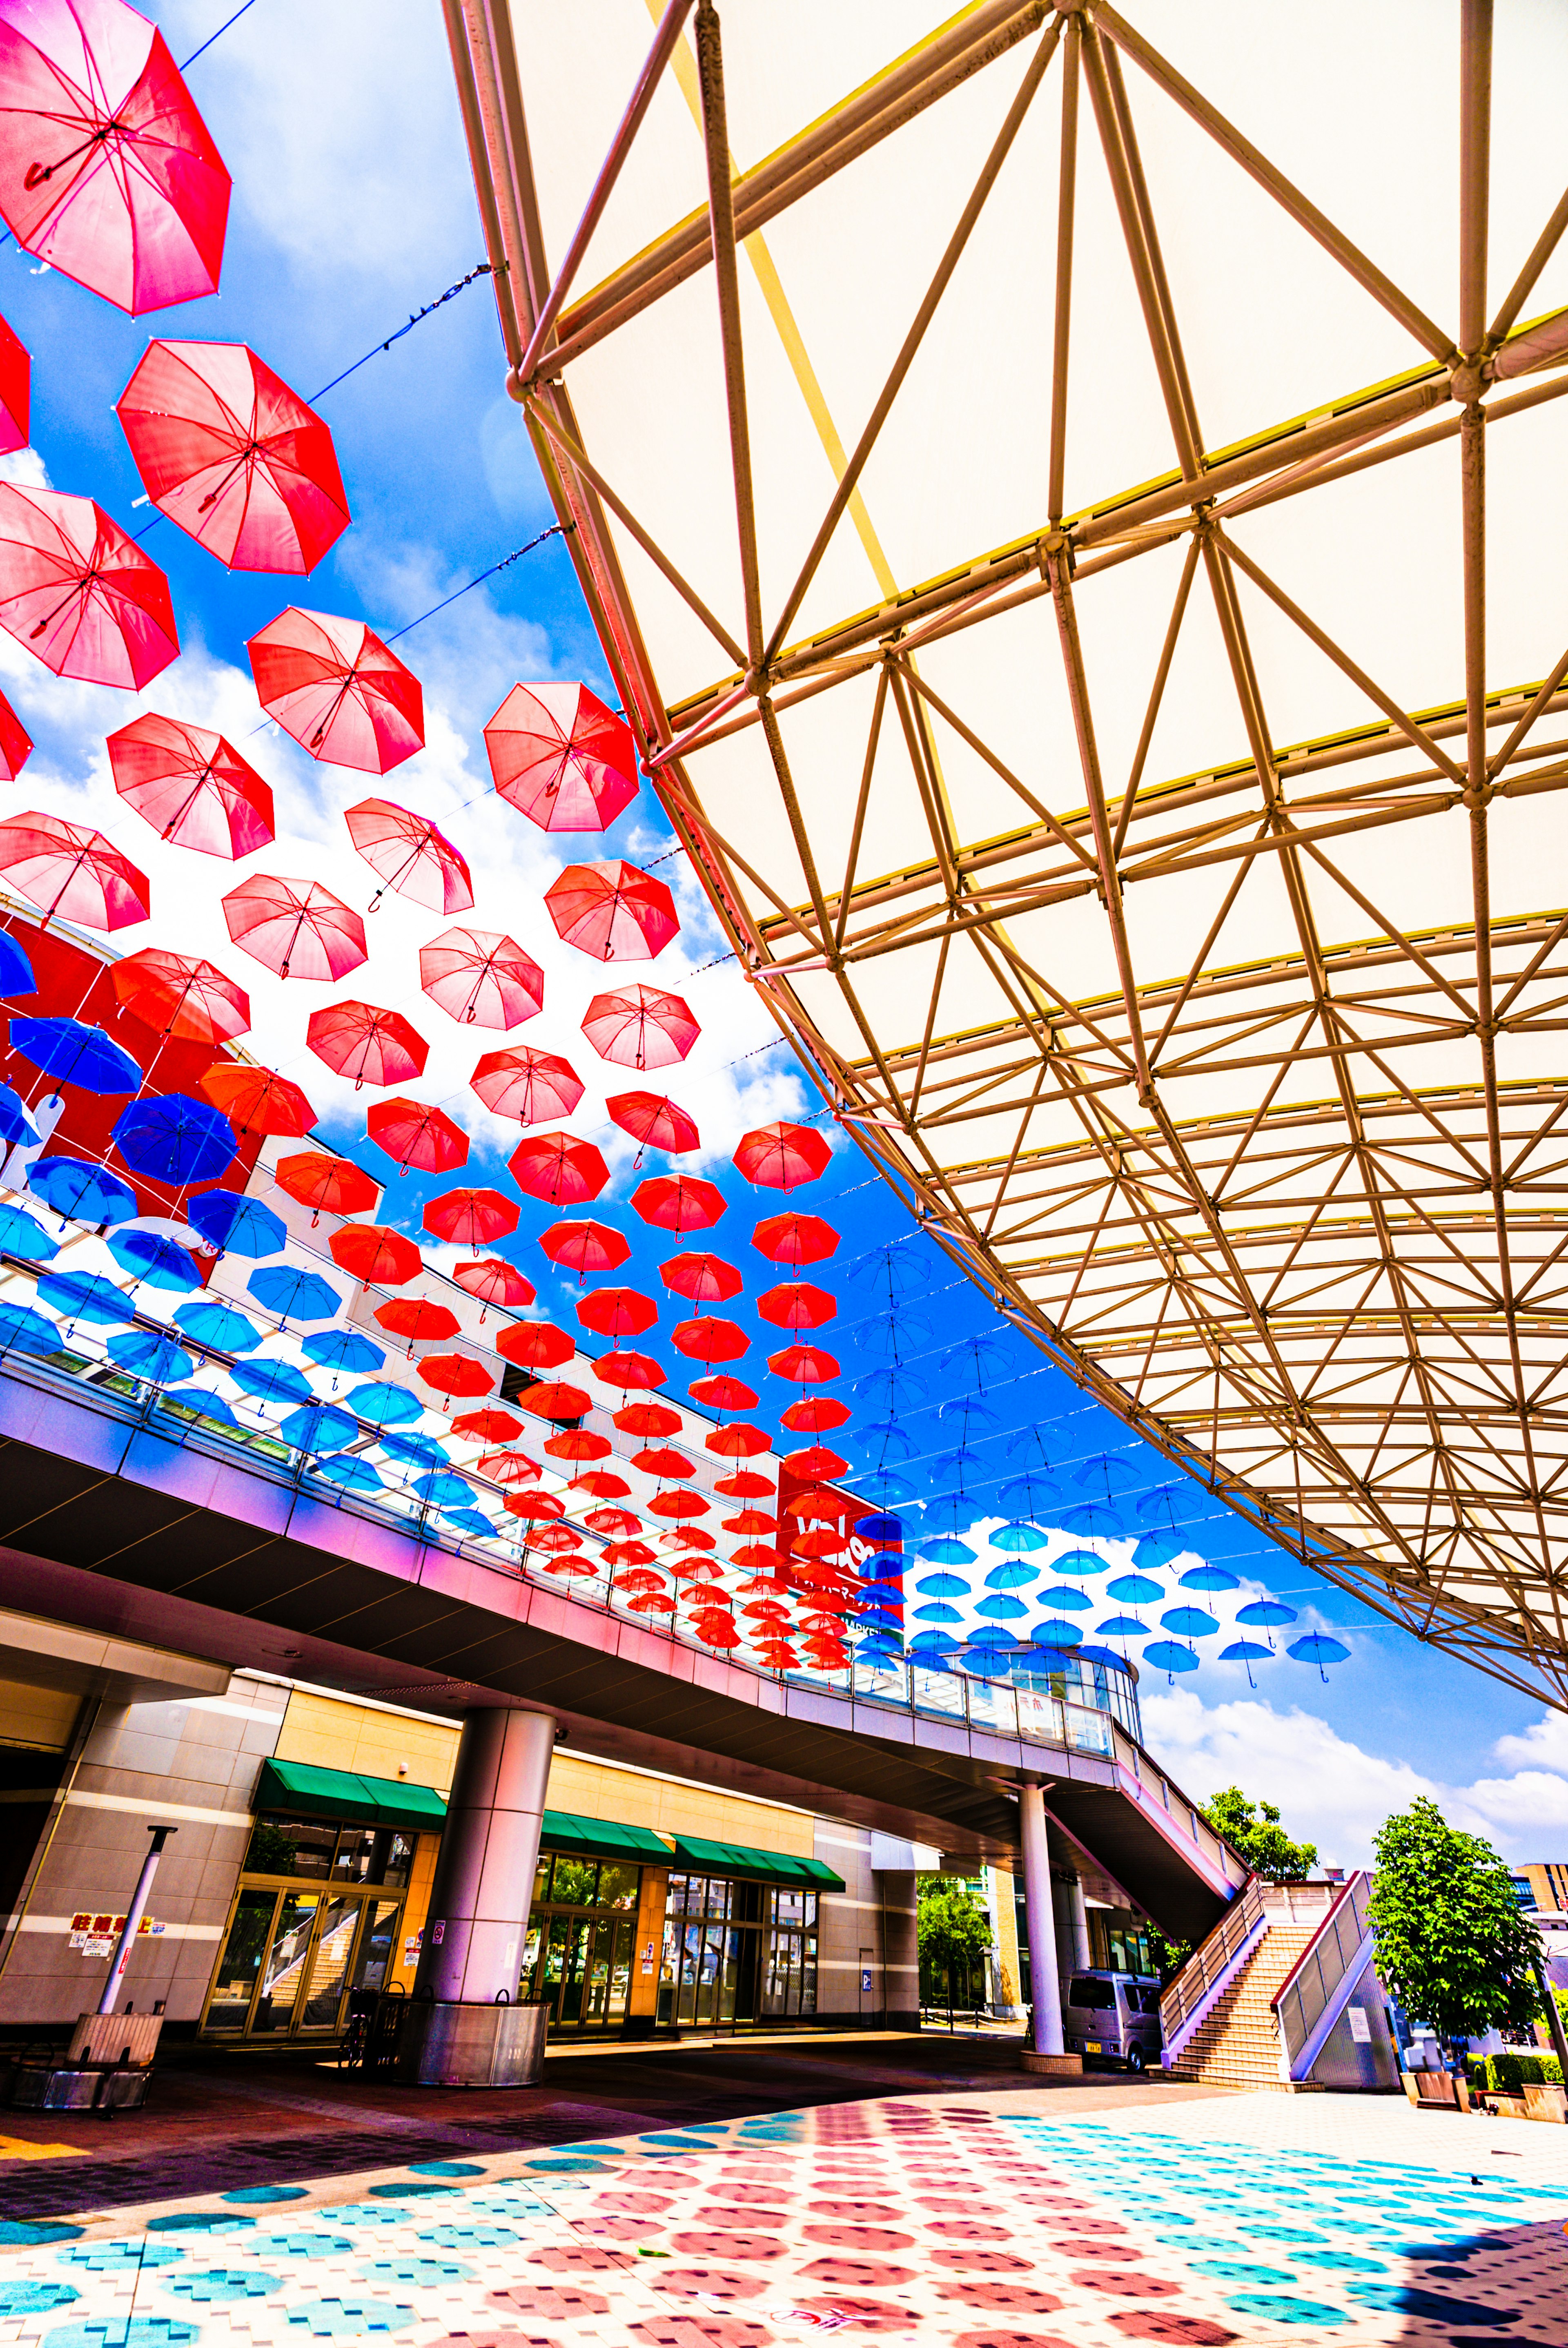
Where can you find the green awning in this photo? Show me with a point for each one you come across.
(754, 1866)
(300, 1790)
(599, 1838)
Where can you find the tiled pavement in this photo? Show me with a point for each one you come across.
(938, 2221)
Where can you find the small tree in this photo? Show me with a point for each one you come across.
(1254, 1832)
(952, 1930)
(1449, 1938)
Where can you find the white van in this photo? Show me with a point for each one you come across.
(1115, 2016)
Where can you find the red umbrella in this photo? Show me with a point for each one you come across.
(69, 869)
(617, 1311)
(816, 1462)
(107, 170)
(806, 1365)
(578, 1444)
(558, 755)
(78, 592)
(654, 1121)
(254, 1101)
(192, 787)
(779, 1157)
(585, 1247)
(411, 856)
(482, 978)
(417, 1134)
(332, 1186)
(647, 1419)
(373, 1046)
(795, 1238)
(796, 1305)
(494, 1281)
(600, 1487)
(616, 1524)
(16, 393)
(336, 688)
(710, 1338)
(233, 456)
(737, 1442)
(722, 1392)
(487, 1425)
(678, 1505)
(536, 1345)
(16, 742)
(295, 925)
(555, 1399)
(456, 1374)
(559, 1167)
(371, 1251)
(416, 1318)
(629, 1372)
(705, 1279)
(678, 1202)
(527, 1085)
(818, 1416)
(471, 1218)
(744, 1484)
(640, 1027)
(750, 1522)
(181, 996)
(613, 911)
(639, 1557)
(510, 1468)
(537, 1507)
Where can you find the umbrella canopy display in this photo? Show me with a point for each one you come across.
(803, 1364)
(795, 1238)
(411, 855)
(80, 593)
(612, 911)
(20, 1235)
(333, 1186)
(418, 1320)
(494, 1281)
(710, 1338)
(372, 1046)
(16, 970)
(536, 1345)
(107, 171)
(342, 1349)
(561, 757)
(81, 1192)
(233, 456)
(217, 1325)
(705, 1279)
(255, 1101)
(295, 927)
(797, 1304)
(22, 1332)
(482, 978)
(617, 1311)
(16, 742)
(335, 687)
(294, 1294)
(487, 1426)
(527, 1085)
(16, 392)
(161, 1263)
(559, 1167)
(471, 1218)
(86, 1296)
(181, 996)
(74, 1053)
(230, 1222)
(555, 1399)
(192, 785)
(585, 1247)
(654, 1121)
(781, 1157)
(455, 1374)
(14, 1125)
(678, 1202)
(70, 869)
(417, 1134)
(641, 1028)
(371, 1251)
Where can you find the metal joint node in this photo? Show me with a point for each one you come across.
(1465, 380)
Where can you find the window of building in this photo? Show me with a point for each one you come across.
(736, 1952)
(293, 1954)
(326, 1851)
(578, 1955)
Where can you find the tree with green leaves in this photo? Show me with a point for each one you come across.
(1254, 1832)
(952, 1930)
(1449, 1938)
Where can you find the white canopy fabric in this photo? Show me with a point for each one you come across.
(1075, 507)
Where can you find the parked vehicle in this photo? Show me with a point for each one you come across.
(1115, 2016)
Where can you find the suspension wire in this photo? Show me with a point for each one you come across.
(187, 63)
(483, 269)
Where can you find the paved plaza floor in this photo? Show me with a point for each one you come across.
(986, 2219)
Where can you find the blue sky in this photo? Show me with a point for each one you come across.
(353, 208)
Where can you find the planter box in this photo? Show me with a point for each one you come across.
(1436, 2090)
(1546, 2103)
(119, 2038)
(1052, 2066)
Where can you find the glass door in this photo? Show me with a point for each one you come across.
(240, 1966)
(328, 1979)
(283, 1974)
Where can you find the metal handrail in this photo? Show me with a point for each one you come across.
(1211, 1959)
(1304, 1995)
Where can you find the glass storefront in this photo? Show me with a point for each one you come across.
(736, 1952)
(295, 1948)
(581, 1926)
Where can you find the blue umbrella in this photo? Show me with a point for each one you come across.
(1209, 1577)
(351, 1475)
(1247, 1652)
(971, 1410)
(227, 1221)
(1018, 1539)
(1154, 1512)
(1054, 1633)
(993, 1637)
(270, 1380)
(1061, 1593)
(1166, 1656)
(342, 1349)
(440, 1488)
(898, 1270)
(947, 1552)
(1264, 1614)
(320, 1428)
(936, 1610)
(22, 1332)
(1105, 1477)
(1027, 1449)
(942, 1585)
(1001, 1608)
(1137, 1589)
(978, 1359)
(1034, 1495)
(1122, 1626)
(1315, 1649)
(471, 1523)
(85, 1296)
(20, 1235)
(893, 1334)
(385, 1405)
(413, 1450)
(883, 1440)
(82, 1192)
(895, 1389)
(202, 1403)
(147, 1355)
(880, 1527)
(886, 1488)
(1102, 1655)
(76, 1054)
(1189, 1622)
(14, 1126)
(932, 1643)
(175, 1139)
(295, 1295)
(1092, 1520)
(161, 1263)
(217, 1326)
(1158, 1549)
(16, 970)
(1013, 1575)
(1079, 1564)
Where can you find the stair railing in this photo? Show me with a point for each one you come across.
(1210, 1970)
(1315, 1991)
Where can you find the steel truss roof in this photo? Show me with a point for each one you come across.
(1229, 1061)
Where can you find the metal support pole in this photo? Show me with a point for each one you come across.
(1079, 1914)
(1554, 2016)
(1044, 1981)
(134, 1914)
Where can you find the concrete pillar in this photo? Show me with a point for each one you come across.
(1078, 1914)
(483, 1883)
(1044, 1976)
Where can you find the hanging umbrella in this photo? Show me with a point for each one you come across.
(613, 911)
(411, 856)
(181, 996)
(385, 1405)
(15, 395)
(781, 1157)
(254, 1101)
(175, 1139)
(641, 1028)
(24, 1331)
(653, 1121)
(617, 1311)
(294, 926)
(487, 1426)
(561, 757)
(494, 1281)
(708, 1337)
(1018, 1541)
(77, 593)
(161, 1263)
(229, 1221)
(82, 1192)
(722, 1392)
(1263, 1614)
(338, 690)
(470, 1218)
(1316, 1649)
(21, 1236)
(647, 1419)
(1095, 1520)
(736, 1441)
(16, 970)
(270, 1380)
(414, 1450)
(527, 1085)
(1135, 1590)
(481, 978)
(372, 1046)
(678, 1202)
(559, 1167)
(157, 1359)
(1167, 1656)
(319, 1427)
(705, 1279)
(585, 1247)
(1208, 1577)
(510, 1468)
(233, 456)
(15, 750)
(69, 869)
(803, 1364)
(216, 1327)
(896, 1389)
(535, 1345)
(1247, 1652)
(292, 1294)
(455, 1374)
(1189, 1622)
(555, 1399)
(1158, 1549)
(371, 1251)
(85, 1296)
(417, 1134)
(332, 1186)
(192, 785)
(797, 1304)
(818, 1415)
(1124, 1626)
(14, 1126)
(342, 1349)
(350, 1475)
(795, 1238)
(418, 1320)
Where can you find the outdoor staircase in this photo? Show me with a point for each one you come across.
(1220, 2024)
